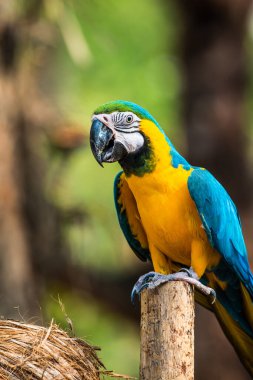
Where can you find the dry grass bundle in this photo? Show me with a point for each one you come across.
(30, 352)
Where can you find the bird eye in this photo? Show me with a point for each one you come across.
(129, 119)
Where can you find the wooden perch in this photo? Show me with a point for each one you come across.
(167, 332)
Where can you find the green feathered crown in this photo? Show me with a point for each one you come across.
(124, 106)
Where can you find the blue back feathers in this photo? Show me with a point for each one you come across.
(222, 224)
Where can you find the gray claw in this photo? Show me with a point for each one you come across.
(141, 284)
(212, 295)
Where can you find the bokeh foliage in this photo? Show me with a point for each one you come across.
(126, 57)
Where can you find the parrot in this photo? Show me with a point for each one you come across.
(177, 216)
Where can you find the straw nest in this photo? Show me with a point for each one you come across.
(31, 352)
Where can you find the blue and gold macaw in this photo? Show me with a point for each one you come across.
(178, 216)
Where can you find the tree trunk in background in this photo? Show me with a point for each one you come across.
(30, 242)
(16, 277)
(215, 82)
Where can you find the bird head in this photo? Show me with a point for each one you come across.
(116, 131)
(125, 132)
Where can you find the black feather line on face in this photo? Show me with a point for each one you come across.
(117, 118)
(126, 130)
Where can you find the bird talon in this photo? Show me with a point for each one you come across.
(212, 295)
(152, 279)
(146, 277)
(186, 270)
(142, 283)
(190, 271)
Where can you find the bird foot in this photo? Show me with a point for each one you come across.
(152, 279)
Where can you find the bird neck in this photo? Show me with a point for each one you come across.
(157, 153)
(141, 162)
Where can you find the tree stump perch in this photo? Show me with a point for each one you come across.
(167, 332)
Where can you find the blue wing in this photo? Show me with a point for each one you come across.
(221, 222)
(129, 218)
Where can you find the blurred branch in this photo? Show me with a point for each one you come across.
(65, 139)
(73, 36)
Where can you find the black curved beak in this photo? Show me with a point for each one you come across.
(100, 139)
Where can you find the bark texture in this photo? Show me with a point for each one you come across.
(167, 332)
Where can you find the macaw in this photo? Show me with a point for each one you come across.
(179, 217)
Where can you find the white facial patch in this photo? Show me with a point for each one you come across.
(131, 141)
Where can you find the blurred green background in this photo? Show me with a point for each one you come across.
(117, 63)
